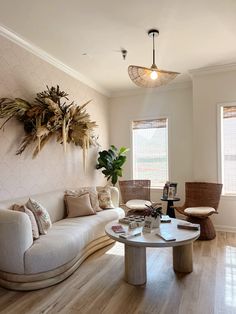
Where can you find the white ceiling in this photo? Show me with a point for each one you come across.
(193, 34)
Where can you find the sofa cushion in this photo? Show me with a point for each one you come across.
(79, 205)
(104, 198)
(199, 210)
(34, 225)
(138, 204)
(92, 193)
(41, 215)
(66, 239)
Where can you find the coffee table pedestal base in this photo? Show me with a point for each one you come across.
(183, 258)
(135, 265)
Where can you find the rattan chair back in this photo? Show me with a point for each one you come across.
(135, 189)
(202, 194)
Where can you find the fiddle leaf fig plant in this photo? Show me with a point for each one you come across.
(112, 161)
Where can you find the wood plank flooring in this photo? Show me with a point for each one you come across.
(98, 285)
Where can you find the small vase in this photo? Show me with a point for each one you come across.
(156, 222)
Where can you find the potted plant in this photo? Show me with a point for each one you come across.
(154, 212)
(112, 161)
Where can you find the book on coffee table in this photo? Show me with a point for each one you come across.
(188, 225)
(118, 229)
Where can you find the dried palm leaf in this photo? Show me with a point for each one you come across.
(47, 116)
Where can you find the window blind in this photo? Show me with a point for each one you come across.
(229, 149)
(150, 150)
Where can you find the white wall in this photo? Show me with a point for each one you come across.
(208, 91)
(22, 74)
(176, 104)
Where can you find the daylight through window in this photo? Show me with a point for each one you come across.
(150, 150)
(228, 148)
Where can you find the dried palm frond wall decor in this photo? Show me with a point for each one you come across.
(50, 115)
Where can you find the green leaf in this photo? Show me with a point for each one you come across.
(114, 148)
(114, 179)
(123, 150)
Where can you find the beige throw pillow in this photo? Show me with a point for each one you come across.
(34, 226)
(104, 198)
(79, 205)
(41, 215)
(92, 193)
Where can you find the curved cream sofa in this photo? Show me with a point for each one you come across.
(29, 265)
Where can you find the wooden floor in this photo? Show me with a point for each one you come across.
(98, 286)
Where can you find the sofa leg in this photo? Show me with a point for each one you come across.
(207, 229)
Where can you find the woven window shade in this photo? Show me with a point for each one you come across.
(150, 124)
(141, 76)
(229, 112)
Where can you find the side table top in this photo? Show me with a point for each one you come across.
(183, 236)
(174, 199)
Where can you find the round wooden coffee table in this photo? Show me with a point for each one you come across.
(135, 249)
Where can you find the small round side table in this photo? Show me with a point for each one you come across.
(170, 202)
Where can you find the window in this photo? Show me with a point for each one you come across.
(228, 148)
(150, 150)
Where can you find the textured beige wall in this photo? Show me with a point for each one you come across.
(209, 91)
(22, 74)
(176, 105)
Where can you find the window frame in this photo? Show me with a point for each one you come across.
(168, 144)
(220, 152)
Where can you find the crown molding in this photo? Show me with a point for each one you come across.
(213, 69)
(27, 45)
(144, 91)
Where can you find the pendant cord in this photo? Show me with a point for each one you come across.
(153, 49)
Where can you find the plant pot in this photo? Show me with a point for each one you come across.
(156, 222)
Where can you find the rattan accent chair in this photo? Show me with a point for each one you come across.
(201, 201)
(134, 190)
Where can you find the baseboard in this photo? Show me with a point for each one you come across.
(225, 228)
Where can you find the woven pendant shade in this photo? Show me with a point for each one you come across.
(141, 76)
(150, 77)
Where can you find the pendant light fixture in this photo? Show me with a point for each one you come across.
(150, 77)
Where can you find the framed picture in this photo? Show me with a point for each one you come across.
(171, 192)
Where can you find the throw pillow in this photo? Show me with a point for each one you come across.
(92, 193)
(41, 215)
(79, 205)
(104, 198)
(34, 226)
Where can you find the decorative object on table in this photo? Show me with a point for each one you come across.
(201, 201)
(133, 221)
(153, 76)
(49, 115)
(154, 212)
(173, 186)
(112, 160)
(166, 189)
(165, 219)
(169, 190)
(148, 224)
(135, 194)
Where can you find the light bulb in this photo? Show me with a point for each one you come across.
(154, 75)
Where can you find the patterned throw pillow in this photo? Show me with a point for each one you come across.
(79, 205)
(34, 226)
(104, 198)
(41, 215)
(93, 194)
